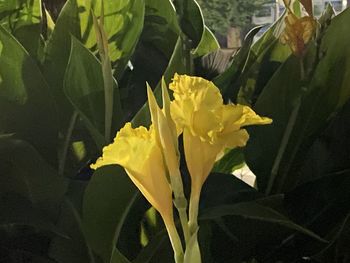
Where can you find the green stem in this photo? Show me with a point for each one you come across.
(181, 206)
(284, 143)
(180, 202)
(108, 90)
(174, 240)
(193, 212)
(287, 133)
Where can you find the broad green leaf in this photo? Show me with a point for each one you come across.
(322, 206)
(227, 79)
(207, 44)
(107, 201)
(176, 65)
(256, 212)
(161, 27)
(118, 257)
(276, 101)
(326, 93)
(74, 247)
(17, 211)
(123, 24)
(24, 172)
(83, 86)
(320, 203)
(339, 246)
(250, 229)
(23, 19)
(264, 58)
(26, 105)
(220, 189)
(56, 57)
(232, 160)
(153, 247)
(191, 20)
(267, 39)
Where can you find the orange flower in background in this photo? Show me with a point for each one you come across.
(298, 32)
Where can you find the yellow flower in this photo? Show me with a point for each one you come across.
(298, 32)
(138, 152)
(208, 126)
(164, 130)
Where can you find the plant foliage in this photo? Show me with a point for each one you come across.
(54, 208)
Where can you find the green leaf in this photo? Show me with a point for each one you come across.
(190, 20)
(107, 201)
(17, 211)
(152, 249)
(225, 80)
(276, 102)
(24, 172)
(220, 189)
(207, 44)
(326, 92)
(256, 212)
(176, 65)
(25, 102)
(73, 248)
(56, 57)
(123, 24)
(321, 203)
(23, 19)
(161, 27)
(83, 86)
(118, 257)
(232, 160)
(125, 40)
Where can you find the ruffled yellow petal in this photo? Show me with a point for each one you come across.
(138, 152)
(208, 125)
(192, 94)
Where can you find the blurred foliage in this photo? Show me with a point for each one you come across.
(55, 209)
(220, 15)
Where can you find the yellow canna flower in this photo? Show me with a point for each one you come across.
(208, 126)
(167, 140)
(138, 152)
(298, 32)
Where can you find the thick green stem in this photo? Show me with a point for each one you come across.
(287, 133)
(284, 143)
(180, 202)
(183, 216)
(174, 240)
(193, 212)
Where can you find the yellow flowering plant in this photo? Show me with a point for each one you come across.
(151, 156)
